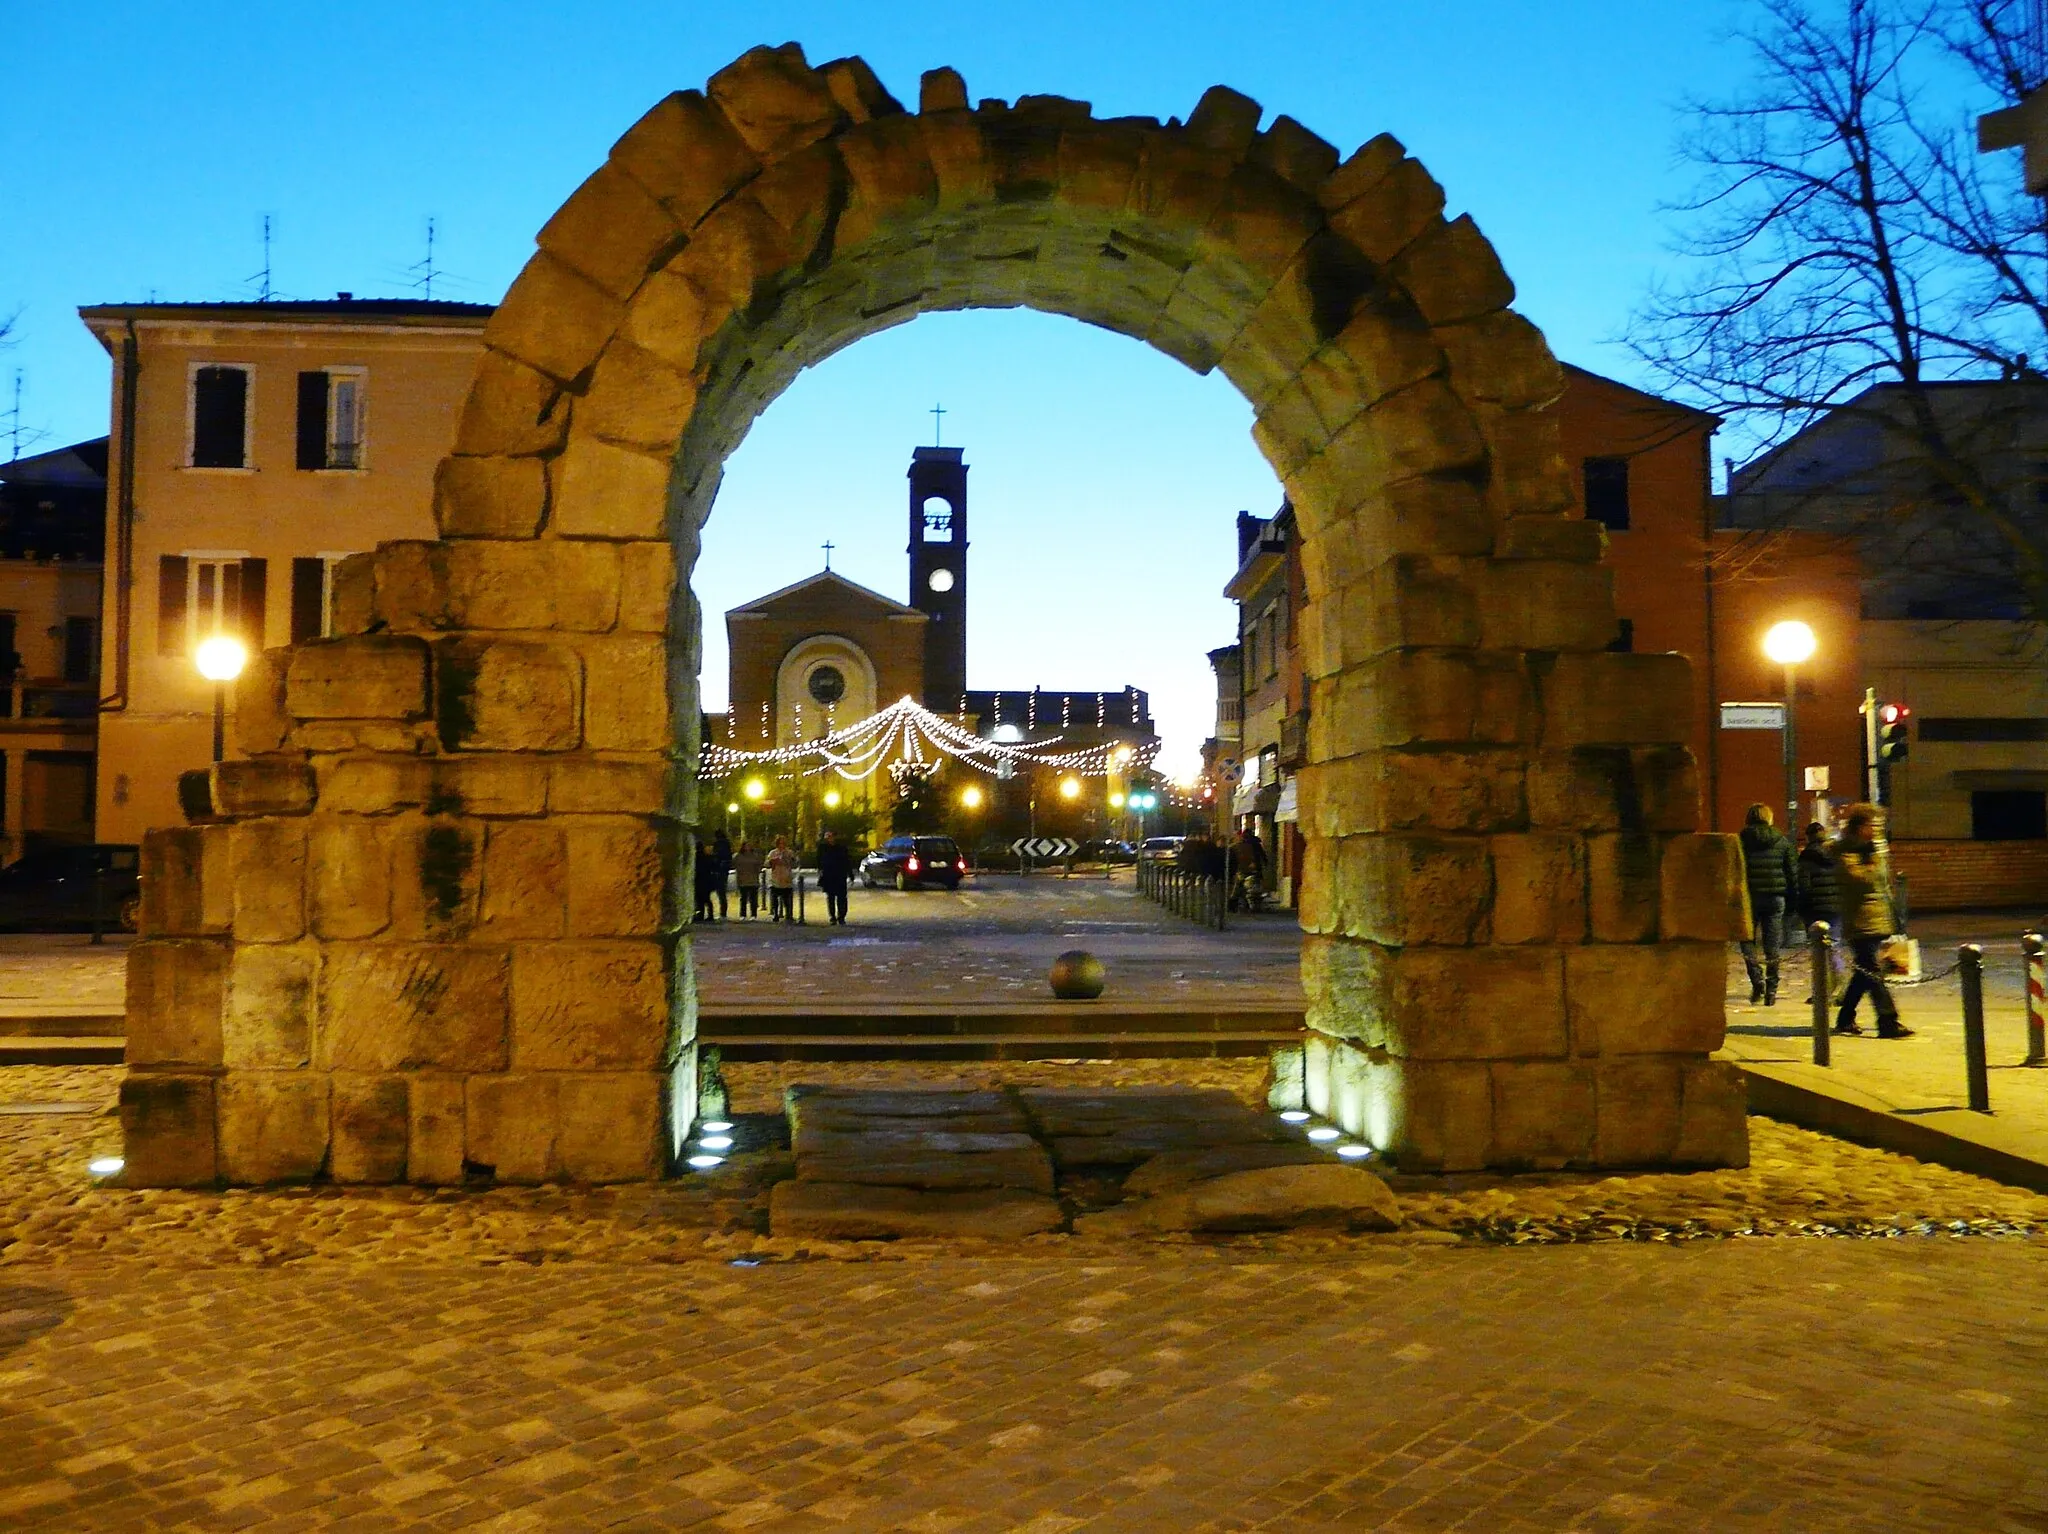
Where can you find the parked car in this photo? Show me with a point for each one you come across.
(58, 889)
(913, 862)
(1108, 852)
(1161, 846)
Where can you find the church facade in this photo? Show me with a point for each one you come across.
(826, 652)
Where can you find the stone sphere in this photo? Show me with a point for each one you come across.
(1077, 975)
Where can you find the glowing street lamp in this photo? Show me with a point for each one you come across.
(831, 798)
(1791, 644)
(754, 788)
(970, 797)
(220, 660)
(1070, 788)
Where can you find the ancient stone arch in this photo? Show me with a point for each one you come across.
(432, 925)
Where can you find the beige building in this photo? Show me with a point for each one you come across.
(252, 446)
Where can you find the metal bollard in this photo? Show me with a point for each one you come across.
(800, 897)
(1817, 950)
(2034, 955)
(1971, 960)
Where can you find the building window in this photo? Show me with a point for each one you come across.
(220, 418)
(199, 595)
(81, 649)
(2009, 814)
(330, 434)
(1607, 492)
(313, 596)
(1624, 640)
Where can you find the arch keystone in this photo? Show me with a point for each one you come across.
(775, 101)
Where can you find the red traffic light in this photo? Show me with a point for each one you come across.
(1892, 713)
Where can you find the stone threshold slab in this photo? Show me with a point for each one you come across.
(1813, 1097)
(1062, 1046)
(33, 1049)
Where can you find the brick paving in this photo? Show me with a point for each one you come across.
(1811, 1386)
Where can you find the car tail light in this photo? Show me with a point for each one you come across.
(910, 867)
(961, 865)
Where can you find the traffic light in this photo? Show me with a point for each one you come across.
(1893, 740)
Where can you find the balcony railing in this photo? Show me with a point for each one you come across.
(55, 702)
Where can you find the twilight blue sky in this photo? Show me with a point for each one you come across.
(140, 145)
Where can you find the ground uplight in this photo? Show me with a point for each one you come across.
(1325, 1132)
(105, 1166)
(1294, 1116)
(716, 1142)
(714, 1126)
(706, 1162)
(1354, 1152)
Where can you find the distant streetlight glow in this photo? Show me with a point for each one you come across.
(1070, 788)
(754, 788)
(831, 798)
(1790, 643)
(970, 796)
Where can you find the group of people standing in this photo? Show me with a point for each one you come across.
(1845, 882)
(719, 863)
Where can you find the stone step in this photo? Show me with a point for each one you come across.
(56, 1020)
(728, 1024)
(63, 1049)
(1059, 1046)
(858, 1212)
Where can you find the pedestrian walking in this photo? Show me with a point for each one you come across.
(781, 881)
(1771, 870)
(835, 870)
(705, 874)
(1863, 877)
(747, 864)
(1820, 896)
(1248, 872)
(721, 848)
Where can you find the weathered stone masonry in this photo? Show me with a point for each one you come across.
(431, 927)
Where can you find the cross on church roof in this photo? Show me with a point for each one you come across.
(828, 546)
(938, 412)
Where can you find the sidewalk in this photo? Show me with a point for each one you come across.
(1909, 1095)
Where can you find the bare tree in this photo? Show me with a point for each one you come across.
(1853, 268)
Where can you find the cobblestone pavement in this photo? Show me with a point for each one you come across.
(1765, 1385)
(47, 969)
(1924, 1074)
(992, 942)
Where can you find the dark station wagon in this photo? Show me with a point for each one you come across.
(914, 862)
(72, 889)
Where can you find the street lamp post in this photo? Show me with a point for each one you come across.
(220, 660)
(1790, 644)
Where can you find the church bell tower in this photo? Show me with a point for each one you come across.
(938, 570)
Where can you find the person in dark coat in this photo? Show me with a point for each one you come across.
(721, 848)
(708, 873)
(835, 869)
(1820, 896)
(1771, 870)
(1864, 877)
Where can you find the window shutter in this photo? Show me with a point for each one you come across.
(312, 420)
(251, 609)
(309, 599)
(171, 578)
(80, 642)
(220, 414)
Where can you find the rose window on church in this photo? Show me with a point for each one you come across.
(827, 685)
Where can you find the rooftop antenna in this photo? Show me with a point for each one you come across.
(262, 278)
(426, 269)
(18, 436)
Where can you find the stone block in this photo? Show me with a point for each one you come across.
(1451, 273)
(352, 599)
(554, 319)
(686, 153)
(1714, 1124)
(176, 988)
(505, 695)
(484, 784)
(167, 1131)
(1384, 216)
(609, 1127)
(1353, 527)
(408, 1006)
(187, 883)
(1319, 1194)
(511, 411)
(1174, 1170)
(267, 785)
(605, 491)
(1437, 1003)
(511, 1125)
(1440, 790)
(626, 705)
(925, 1158)
(959, 159)
(1622, 884)
(1539, 889)
(267, 1023)
(1526, 473)
(618, 877)
(525, 880)
(587, 785)
(1420, 698)
(269, 862)
(860, 94)
(856, 1212)
(436, 1130)
(436, 878)
(1544, 1115)
(1411, 601)
(637, 399)
(1615, 700)
(374, 785)
(371, 1124)
(273, 1126)
(1300, 158)
(1429, 1116)
(941, 90)
(1700, 893)
(258, 722)
(1608, 789)
(349, 871)
(1405, 888)
(775, 101)
(1638, 1111)
(369, 676)
(1667, 787)
(492, 497)
(1570, 538)
(1664, 998)
(1545, 605)
(1500, 358)
(612, 230)
(1098, 165)
(1285, 1083)
(672, 318)
(589, 1006)
(646, 583)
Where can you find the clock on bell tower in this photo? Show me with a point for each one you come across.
(938, 569)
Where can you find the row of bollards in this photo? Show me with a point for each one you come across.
(1970, 967)
(1184, 892)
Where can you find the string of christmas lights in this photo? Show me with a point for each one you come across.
(911, 738)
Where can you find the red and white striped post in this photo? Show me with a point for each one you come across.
(2034, 951)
